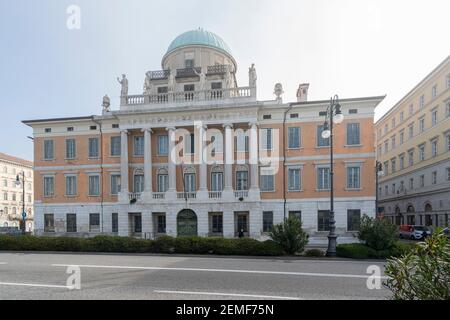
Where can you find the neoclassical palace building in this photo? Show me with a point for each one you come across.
(197, 154)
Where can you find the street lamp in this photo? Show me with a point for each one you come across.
(333, 115)
(24, 215)
(378, 173)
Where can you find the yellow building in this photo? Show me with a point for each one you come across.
(413, 146)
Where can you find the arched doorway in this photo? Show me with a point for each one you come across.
(411, 217)
(187, 223)
(428, 215)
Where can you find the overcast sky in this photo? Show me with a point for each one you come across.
(347, 47)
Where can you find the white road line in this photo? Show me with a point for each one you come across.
(33, 285)
(310, 274)
(3, 262)
(227, 294)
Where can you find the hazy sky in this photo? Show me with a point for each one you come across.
(347, 47)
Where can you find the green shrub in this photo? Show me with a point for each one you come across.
(164, 244)
(423, 273)
(378, 234)
(362, 251)
(290, 236)
(314, 253)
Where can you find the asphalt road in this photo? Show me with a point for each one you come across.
(43, 276)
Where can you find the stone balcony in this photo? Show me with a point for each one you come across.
(209, 196)
(230, 96)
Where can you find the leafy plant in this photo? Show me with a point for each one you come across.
(423, 273)
(290, 236)
(378, 234)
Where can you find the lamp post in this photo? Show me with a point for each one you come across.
(23, 199)
(378, 173)
(333, 115)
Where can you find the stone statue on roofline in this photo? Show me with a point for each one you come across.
(228, 78)
(202, 80)
(171, 84)
(278, 91)
(124, 83)
(106, 104)
(252, 76)
(148, 83)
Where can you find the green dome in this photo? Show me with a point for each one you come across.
(199, 37)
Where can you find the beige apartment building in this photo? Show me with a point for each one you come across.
(413, 146)
(12, 192)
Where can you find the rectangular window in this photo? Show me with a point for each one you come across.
(293, 137)
(161, 223)
(434, 177)
(422, 101)
(393, 142)
(49, 223)
(216, 85)
(402, 136)
(266, 139)
(353, 177)
(189, 144)
(162, 182)
(353, 135)
(386, 128)
(411, 130)
(447, 137)
(323, 178)
(138, 183)
(49, 186)
(114, 222)
(115, 146)
(189, 182)
(71, 222)
(393, 165)
(402, 161)
(115, 184)
(189, 63)
(71, 186)
(422, 181)
(411, 109)
(162, 90)
(401, 116)
(422, 152)
(241, 141)
(241, 180)
(163, 145)
(296, 214)
(434, 148)
(241, 219)
(386, 168)
(216, 223)
(294, 179)
(393, 123)
(411, 157)
(434, 118)
(353, 219)
(267, 182)
(93, 148)
(49, 151)
(411, 183)
(422, 125)
(138, 146)
(94, 222)
(386, 147)
(70, 148)
(267, 221)
(323, 220)
(321, 142)
(216, 181)
(393, 188)
(434, 91)
(448, 81)
(94, 185)
(448, 174)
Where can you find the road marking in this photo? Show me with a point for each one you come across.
(33, 285)
(227, 294)
(310, 274)
(3, 262)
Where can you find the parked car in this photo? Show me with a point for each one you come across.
(412, 232)
(447, 232)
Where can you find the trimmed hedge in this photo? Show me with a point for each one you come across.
(165, 244)
(362, 251)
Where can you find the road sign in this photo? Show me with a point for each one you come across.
(24, 215)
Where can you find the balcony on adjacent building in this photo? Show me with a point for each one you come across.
(159, 74)
(188, 72)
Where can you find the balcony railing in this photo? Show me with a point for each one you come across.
(217, 69)
(188, 72)
(215, 194)
(134, 195)
(241, 194)
(190, 96)
(159, 74)
(186, 195)
(159, 195)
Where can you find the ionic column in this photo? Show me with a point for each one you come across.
(148, 184)
(124, 162)
(253, 159)
(203, 190)
(171, 159)
(228, 161)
